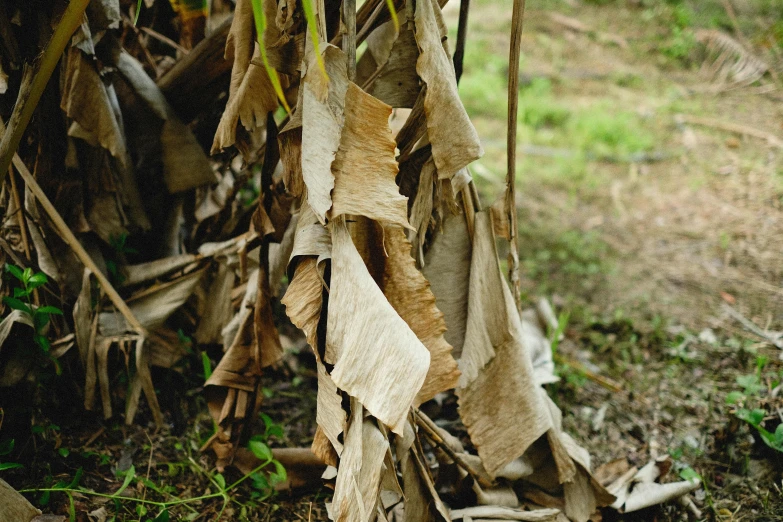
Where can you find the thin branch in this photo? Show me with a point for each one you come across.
(35, 81)
(774, 338)
(431, 430)
(511, 145)
(349, 40)
(462, 35)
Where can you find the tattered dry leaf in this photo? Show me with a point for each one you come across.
(499, 400)
(359, 475)
(330, 415)
(302, 300)
(311, 238)
(267, 339)
(505, 513)
(364, 167)
(16, 316)
(152, 306)
(290, 141)
(409, 293)
(421, 210)
(377, 358)
(85, 100)
(422, 502)
(13, 506)
(323, 105)
(454, 140)
(648, 494)
(217, 311)
(82, 316)
(389, 64)
(184, 163)
(251, 94)
(447, 268)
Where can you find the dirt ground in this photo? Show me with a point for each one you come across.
(644, 251)
(641, 219)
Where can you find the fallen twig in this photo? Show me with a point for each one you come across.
(731, 127)
(431, 431)
(607, 383)
(774, 338)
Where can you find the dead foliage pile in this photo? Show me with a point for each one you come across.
(353, 185)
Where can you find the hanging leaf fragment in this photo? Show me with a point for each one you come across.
(377, 358)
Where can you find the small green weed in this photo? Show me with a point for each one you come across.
(22, 301)
(748, 404)
(5, 449)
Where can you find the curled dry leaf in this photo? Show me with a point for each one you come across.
(388, 67)
(364, 167)
(376, 356)
(409, 293)
(251, 95)
(499, 401)
(454, 140)
(359, 475)
(323, 104)
(447, 268)
(85, 100)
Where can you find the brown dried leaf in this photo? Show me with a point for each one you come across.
(322, 122)
(377, 358)
(251, 95)
(359, 475)
(13, 506)
(152, 306)
(364, 167)
(390, 64)
(500, 403)
(302, 300)
(454, 140)
(86, 101)
(409, 293)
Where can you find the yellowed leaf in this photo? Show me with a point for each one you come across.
(409, 293)
(376, 356)
(364, 167)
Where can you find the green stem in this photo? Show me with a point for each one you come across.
(223, 493)
(31, 91)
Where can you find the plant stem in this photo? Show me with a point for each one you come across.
(32, 89)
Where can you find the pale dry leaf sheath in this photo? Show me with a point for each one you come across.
(322, 122)
(409, 293)
(251, 95)
(499, 401)
(454, 140)
(311, 238)
(364, 167)
(377, 358)
(303, 301)
(359, 475)
(447, 268)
